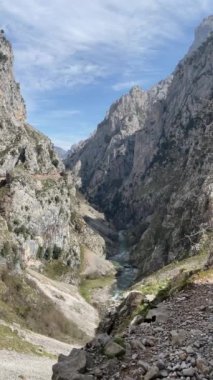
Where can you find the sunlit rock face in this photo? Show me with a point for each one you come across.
(149, 163)
(20, 144)
(104, 161)
(38, 205)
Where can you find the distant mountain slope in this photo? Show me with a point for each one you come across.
(60, 152)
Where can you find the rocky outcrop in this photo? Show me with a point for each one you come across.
(202, 32)
(149, 164)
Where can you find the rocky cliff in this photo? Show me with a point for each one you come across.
(39, 210)
(104, 162)
(149, 163)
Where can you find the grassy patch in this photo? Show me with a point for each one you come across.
(10, 340)
(167, 276)
(56, 269)
(4, 190)
(119, 340)
(203, 275)
(48, 183)
(89, 286)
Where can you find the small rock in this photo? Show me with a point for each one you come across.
(112, 349)
(100, 340)
(183, 356)
(164, 373)
(137, 320)
(161, 364)
(143, 365)
(202, 365)
(188, 372)
(178, 337)
(134, 356)
(189, 350)
(149, 342)
(137, 344)
(152, 373)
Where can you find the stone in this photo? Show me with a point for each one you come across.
(149, 341)
(183, 355)
(189, 350)
(178, 337)
(188, 371)
(161, 364)
(100, 340)
(137, 344)
(164, 373)
(152, 373)
(144, 365)
(137, 320)
(134, 356)
(159, 314)
(70, 367)
(202, 365)
(113, 349)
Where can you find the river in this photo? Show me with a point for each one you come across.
(126, 272)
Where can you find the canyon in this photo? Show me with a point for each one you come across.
(100, 250)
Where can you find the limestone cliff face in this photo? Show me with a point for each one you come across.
(104, 161)
(149, 164)
(20, 144)
(169, 194)
(39, 216)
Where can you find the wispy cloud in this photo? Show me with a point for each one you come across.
(62, 46)
(67, 43)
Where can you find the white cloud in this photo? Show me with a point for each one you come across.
(65, 43)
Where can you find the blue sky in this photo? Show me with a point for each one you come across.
(73, 58)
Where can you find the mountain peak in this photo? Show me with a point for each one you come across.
(202, 32)
(135, 90)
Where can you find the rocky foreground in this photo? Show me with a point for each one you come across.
(174, 341)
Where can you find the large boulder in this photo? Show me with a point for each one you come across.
(71, 367)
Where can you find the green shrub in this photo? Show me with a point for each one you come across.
(57, 252)
(55, 162)
(40, 253)
(57, 199)
(48, 253)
